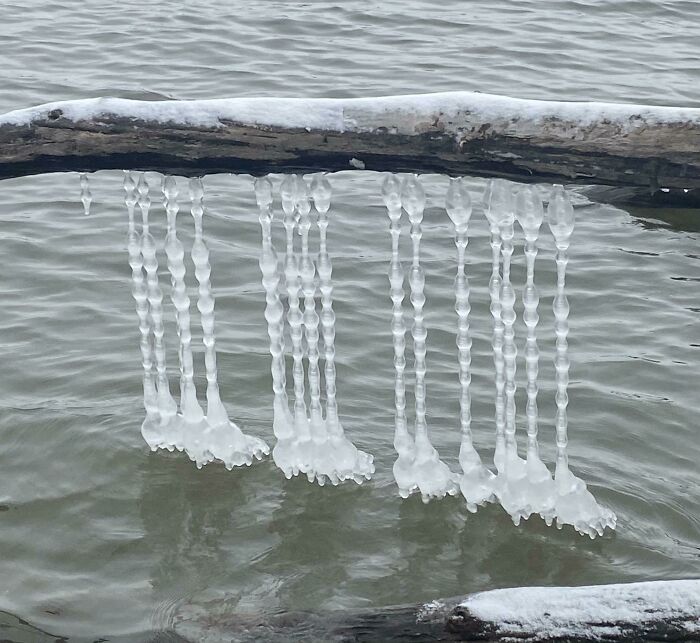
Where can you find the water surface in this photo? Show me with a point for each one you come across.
(101, 537)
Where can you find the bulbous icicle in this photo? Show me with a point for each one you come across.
(574, 505)
(220, 439)
(495, 203)
(290, 197)
(85, 194)
(433, 477)
(537, 487)
(191, 410)
(338, 459)
(167, 408)
(284, 452)
(150, 429)
(404, 473)
(475, 481)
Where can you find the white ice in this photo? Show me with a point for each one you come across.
(205, 438)
(418, 467)
(308, 442)
(476, 481)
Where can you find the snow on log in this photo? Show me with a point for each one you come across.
(454, 133)
(652, 611)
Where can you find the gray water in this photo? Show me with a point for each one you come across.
(100, 537)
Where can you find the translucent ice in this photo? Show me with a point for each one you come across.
(217, 438)
(476, 481)
(85, 194)
(574, 505)
(404, 474)
(538, 486)
(312, 444)
(432, 476)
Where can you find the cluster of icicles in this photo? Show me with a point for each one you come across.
(310, 439)
(523, 487)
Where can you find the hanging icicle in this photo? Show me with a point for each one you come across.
(404, 467)
(575, 505)
(222, 439)
(283, 453)
(342, 459)
(433, 477)
(85, 194)
(538, 483)
(476, 481)
(149, 428)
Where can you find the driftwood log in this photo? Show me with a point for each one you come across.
(457, 133)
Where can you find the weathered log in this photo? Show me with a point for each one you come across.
(456, 133)
(629, 613)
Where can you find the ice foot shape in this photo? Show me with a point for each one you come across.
(476, 482)
(333, 458)
(576, 506)
(203, 442)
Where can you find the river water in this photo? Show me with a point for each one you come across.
(99, 537)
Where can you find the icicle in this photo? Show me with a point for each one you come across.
(575, 505)
(343, 460)
(434, 477)
(494, 198)
(289, 191)
(85, 194)
(404, 467)
(192, 413)
(283, 422)
(476, 481)
(223, 440)
(539, 487)
(321, 460)
(149, 429)
(167, 408)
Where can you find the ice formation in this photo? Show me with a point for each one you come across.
(574, 504)
(204, 438)
(537, 484)
(85, 194)
(310, 439)
(522, 486)
(476, 481)
(418, 467)
(307, 441)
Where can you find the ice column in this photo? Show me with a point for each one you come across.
(476, 481)
(322, 465)
(85, 194)
(404, 467)
(167, 408)
(575, 505)
(495, 199)
(511, 468)
(283, 422)
(289, 191)
(343, 460)
(222, 439)
(433, 476)
(191, 420)
(140, 294)
(538, 484)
